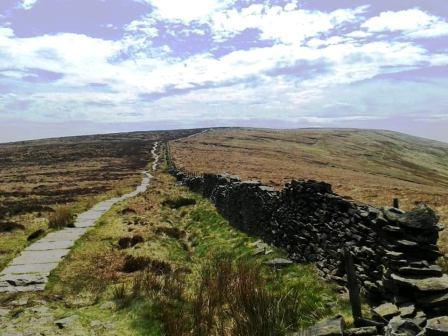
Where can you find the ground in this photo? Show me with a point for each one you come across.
(96, 290)
(369, 166)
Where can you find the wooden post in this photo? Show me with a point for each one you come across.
(396, 203)
(353, 287)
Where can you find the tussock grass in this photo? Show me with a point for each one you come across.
(63, 216)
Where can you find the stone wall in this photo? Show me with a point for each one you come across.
(394, 251)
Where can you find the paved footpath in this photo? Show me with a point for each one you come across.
(30, 270)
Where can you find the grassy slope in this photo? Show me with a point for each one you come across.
(86, 279)
(369, 166)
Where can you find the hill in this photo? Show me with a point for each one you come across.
(370, 166)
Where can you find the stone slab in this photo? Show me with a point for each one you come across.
(424, 284)
(67, 234)
(50, 245)
(23, 279)
(31, 268)
(40, 257)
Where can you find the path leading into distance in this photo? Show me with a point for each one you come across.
(30, 270)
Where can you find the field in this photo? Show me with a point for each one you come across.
(369, 166)
(36, 176)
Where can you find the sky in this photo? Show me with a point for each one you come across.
(71, 67)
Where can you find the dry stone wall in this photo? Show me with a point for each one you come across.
(394, 251)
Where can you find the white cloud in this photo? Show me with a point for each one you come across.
(273, 80)
(28, 4)
(187, 11)
(414, 23)
(283, 24)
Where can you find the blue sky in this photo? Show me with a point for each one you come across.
(86, 66)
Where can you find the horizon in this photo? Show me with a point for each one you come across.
(80, 67)
(222, 127)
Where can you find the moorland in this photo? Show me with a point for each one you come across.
(369, 166)
(166, 262)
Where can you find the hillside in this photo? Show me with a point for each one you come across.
(367, 165)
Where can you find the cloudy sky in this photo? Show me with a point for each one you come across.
(87, 66)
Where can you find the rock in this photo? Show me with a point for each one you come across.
(4, 312)
(96, 324)
(66, 322)
(400, 326)
(364, 331)
(421, 217)
(107, 305)
(392, 214)
(19, 302)
(258, 251)
(41, 310)
(437, 326)
(432, 270)
(407, 310)
(423, 284)
(386, 310)
(279, 262)
(331, 327)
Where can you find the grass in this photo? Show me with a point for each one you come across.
(193, 274)
(63, 216)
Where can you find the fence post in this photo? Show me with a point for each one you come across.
(353, 287)
(396, 203)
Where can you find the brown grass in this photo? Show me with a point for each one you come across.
(231, 299)
(63, 216)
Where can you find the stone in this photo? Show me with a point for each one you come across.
(96, 324)
(386, 310)
(258, 251)
(279, 262)
(4, 312)
(422, 217)
(363, 331)
(41, 310)
(66, 322)
(108, 305)
(423, 284)
(407, 310)
(437, 326)
(19, 302)
(40, 257)
(429, 271)
(399, 326)
(43, 246)
(433, 300)
(392, 214)
(330, 327)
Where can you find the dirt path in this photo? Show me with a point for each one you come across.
(30, 270)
